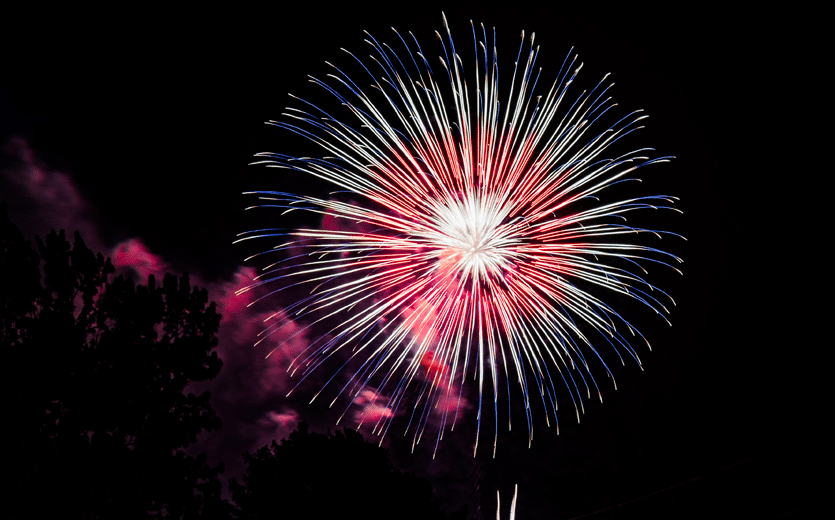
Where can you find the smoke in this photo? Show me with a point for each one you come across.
(134, 254)
(41, 199)
(249, 393)
(257, 341)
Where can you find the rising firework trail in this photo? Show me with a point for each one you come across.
(479, 244)
(512, 504)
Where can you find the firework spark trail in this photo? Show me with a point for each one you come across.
(468, 248)
(512, 504)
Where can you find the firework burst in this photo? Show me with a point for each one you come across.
(474, 249)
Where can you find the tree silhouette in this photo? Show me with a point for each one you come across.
(340, 475)
(95, 373)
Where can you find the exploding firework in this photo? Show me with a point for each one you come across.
(479, 244)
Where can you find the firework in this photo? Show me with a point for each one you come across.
(469, 237)
(512, 504)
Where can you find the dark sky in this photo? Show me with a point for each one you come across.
(137, 127)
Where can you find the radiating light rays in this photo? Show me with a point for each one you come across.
(479, 233)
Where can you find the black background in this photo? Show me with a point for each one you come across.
(157, 112)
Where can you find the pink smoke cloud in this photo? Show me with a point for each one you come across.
(45, 199)
(133, 254)
(269, 332)
(276, 425)
(371, 410)
(249, 393)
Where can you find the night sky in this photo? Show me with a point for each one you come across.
(136, 128)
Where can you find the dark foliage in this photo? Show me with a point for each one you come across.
(95, 372)
(340, 475)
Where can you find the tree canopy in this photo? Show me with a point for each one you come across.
(96, 372)
(98, 369)
(333, 475)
